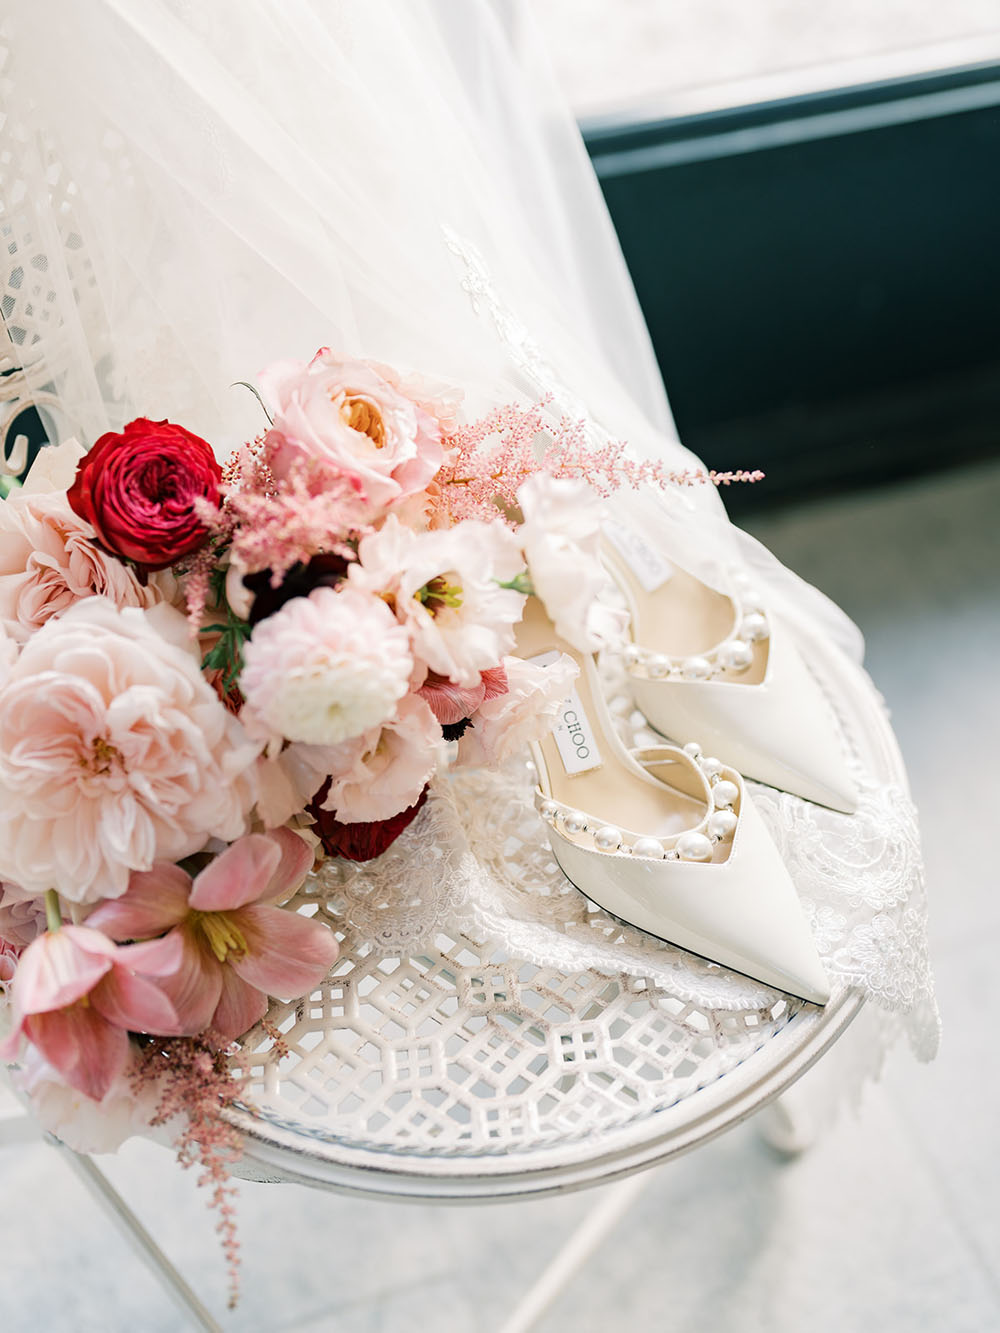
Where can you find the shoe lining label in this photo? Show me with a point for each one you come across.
(572, 729)
(649, 567)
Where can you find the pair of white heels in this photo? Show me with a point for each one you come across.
(667, 838)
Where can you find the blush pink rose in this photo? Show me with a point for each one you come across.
(114, 753)
(49, 561)
(347, 417)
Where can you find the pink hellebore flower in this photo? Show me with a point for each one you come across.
(237, 947)
(77, 996)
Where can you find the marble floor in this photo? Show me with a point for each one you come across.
(891, 1221)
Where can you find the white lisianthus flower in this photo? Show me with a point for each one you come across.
(384, 772)
(85, 1125)
(324, 668)
(507, 724)
(561, 539)
(445, 587)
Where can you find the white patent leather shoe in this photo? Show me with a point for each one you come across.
(724, 669)
(665, 843)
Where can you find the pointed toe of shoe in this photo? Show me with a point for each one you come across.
(782, 732)
(743, 913)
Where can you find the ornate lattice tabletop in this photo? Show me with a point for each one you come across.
(466, 1067)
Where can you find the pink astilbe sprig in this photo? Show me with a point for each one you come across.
(489, 459)
(197, 1081)
(315, 511)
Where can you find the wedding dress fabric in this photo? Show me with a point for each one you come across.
(191, 191)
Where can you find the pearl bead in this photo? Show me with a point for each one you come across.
(696, 668)
(750, 597)
(573, 821)
(651, 847)
(693, 750)
(725, 793)
(736, 655)
(657, 666)
(754, 627)
(694, 847)
(710, 766)
(548, 810)
(722, 824)
(632, 655)
(608, 838)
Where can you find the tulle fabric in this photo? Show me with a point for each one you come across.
(192, 190)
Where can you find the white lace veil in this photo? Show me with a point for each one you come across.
(191, 190)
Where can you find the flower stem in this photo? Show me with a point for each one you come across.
(53, 917)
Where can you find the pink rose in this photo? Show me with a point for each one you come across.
(49, 561)
(114, 753)
(347, 417)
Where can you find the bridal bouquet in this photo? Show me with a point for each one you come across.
(211, 676)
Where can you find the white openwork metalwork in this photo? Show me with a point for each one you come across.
(451, 1056)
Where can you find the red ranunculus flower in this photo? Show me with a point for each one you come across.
(359, 842)
(138, 490)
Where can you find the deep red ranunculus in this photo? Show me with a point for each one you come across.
(359, 842)
(138, 491)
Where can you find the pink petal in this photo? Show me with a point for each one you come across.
(237, 876)
(89, 1052)
(194, 988)
(297, 859)
(133, 1003)
(153, 958)
(287, 955)
(450, 703)
(154, 901)
(240, 1006)
(54, 970)
(494, 682)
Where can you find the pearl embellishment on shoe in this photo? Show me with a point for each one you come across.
(574, 822)
(651, 847)
(608, 838)
(694, 847)
(724, 793)
(692, 668)
(734, 653)
(722, 824)
(718, 825)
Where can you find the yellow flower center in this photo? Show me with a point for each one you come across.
(438, 594)
(363, 416)
(222, 933)
(102, 758)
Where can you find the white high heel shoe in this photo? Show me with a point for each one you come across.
(724, 669)
(668, 845)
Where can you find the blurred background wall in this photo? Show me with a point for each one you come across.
(808, 200)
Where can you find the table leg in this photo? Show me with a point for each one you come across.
(138, 1237)
(613, 1203)
(787, 1125)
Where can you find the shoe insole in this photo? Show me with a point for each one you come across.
(607, 788)
(683, 617)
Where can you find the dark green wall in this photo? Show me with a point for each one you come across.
(821, 276)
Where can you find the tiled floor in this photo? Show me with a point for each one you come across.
(891, 1222)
